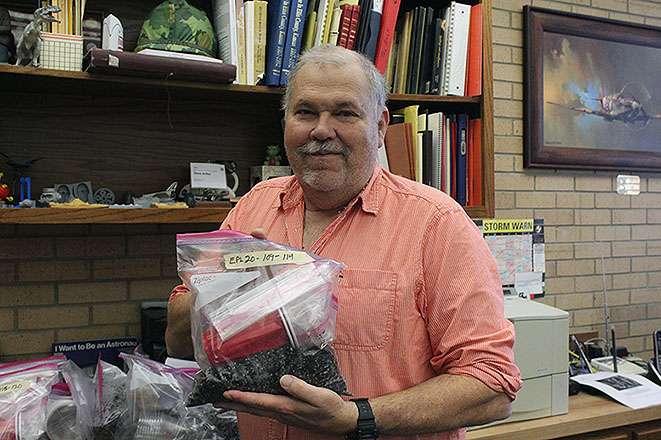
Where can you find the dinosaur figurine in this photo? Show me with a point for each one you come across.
(29, 45)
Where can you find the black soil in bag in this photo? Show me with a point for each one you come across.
(262, 371)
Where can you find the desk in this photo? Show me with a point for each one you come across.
(589, 417)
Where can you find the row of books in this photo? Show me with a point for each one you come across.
(424, 51)
(70, 16)
(442, 150)
(437, 51)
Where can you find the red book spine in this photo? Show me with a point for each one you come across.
(355, 18)
(386, 34)
(345, 25)
(474, 58)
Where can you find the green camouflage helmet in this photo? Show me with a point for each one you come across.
(179, 27)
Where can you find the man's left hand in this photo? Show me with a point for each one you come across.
(307, 406)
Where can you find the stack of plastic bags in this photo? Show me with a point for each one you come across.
(260, 310)
(146, 403)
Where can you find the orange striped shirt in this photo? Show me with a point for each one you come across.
(420, 297)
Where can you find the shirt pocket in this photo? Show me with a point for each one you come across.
(367, 306)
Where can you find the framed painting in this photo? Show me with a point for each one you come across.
(592, 93)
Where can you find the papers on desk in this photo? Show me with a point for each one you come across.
(631, 390)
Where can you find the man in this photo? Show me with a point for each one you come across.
(420, 326)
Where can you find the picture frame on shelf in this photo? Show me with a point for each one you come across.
(592, 93)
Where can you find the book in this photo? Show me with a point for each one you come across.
(386, 34)
(323, 15)
(345, 25)
(411, 116)
(435, 125)
(297, 14)
(475, 184)
(242, 66)
(261, 12)
(277, 20)
(147, 66)
(225, 13)
(255, 27)
(310, 27)
(462, 148)
(399, 150)
(372, 28)
(438, 56)
(426, 74)
(474, 68)
(335, 26)
(403, 54)
(456, 47)
(353, 28)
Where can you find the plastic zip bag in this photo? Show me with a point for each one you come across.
(24, 390)
(156, 395)
(260, 310)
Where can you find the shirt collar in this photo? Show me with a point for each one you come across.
(291, 194)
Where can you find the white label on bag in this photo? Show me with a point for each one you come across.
(211, 286)
(245, 260)
(13, 387)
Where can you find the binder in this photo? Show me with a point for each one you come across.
(462, 148)
(457, 17)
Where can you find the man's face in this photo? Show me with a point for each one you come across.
(331, 132)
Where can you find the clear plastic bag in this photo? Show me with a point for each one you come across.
(24, 391)
(156, 396)
(111, 406)
(61, 416)
(83, 397)
(260, 310)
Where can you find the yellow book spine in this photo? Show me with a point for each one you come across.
(310, 27)
(260, 38)
(241, 49)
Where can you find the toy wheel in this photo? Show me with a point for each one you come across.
(104, 196)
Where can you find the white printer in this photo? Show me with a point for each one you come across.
(541, 353)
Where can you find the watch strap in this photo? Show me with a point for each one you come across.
(366, 427)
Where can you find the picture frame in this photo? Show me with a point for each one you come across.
(592, 93)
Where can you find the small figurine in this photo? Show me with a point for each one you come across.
(29, 45)
(273, 156)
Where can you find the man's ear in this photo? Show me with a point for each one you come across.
(383, 123)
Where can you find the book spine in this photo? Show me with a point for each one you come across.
(462, 148)
(293, 45)
(260, 38)
(386, 34)
(345, 25)
(355, 17)
(278, 18)
(372, 30)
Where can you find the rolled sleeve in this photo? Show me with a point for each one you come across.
(463, 305)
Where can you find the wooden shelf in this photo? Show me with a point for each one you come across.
(43, 216)
(145, 85)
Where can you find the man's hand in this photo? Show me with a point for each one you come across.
(307, 406)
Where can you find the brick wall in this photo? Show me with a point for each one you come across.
(586, 220)
(74, 282)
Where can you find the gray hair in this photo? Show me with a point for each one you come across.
(339, 56)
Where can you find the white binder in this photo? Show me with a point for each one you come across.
(455, 49)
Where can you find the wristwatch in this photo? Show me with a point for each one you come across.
(366, 424)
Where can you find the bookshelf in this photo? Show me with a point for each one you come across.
(138, 135)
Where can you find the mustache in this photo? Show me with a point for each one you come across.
(323, 147)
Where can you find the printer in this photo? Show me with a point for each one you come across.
(541, 353)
